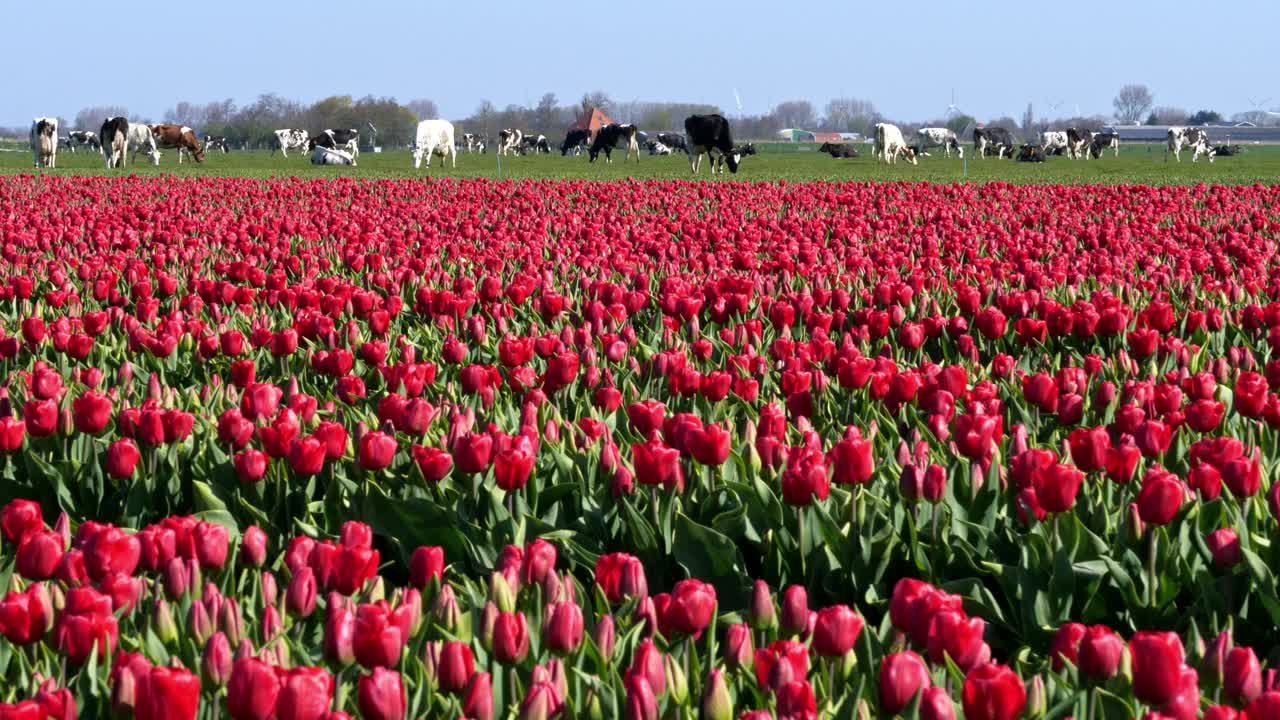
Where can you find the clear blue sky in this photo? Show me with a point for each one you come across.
(904, 56)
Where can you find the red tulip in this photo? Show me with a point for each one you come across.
(993, 692)
(902, 675)
(305, 694)
(692, 604)
(377, 450)
(1242, 675)
(1101, 651)
(510, 638)
(252, 690)
(378, 641)
(1157, 658)
(381, 696)
(836, 630)
(168, 694)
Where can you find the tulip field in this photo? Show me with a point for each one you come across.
(316, 449)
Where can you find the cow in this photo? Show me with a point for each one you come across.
(434, 137)
(839, 150)
(998, 139)
(321, 155)
(745, 150)
(346, 138)
(214, 143)
(1179, 138)
(114, 136)
(473, 142)
(509, 141)
(1030, 153)
(889, 144)
(1103, 140)
(181, 137)
(1078, 142)
(289, 139)
(657, 148)
(613, 136)
(940, 136)
(64, 143)
(1053, 140)
(675, 141)
(575, 141)
(710, 135)
(1228, 150)
(44, 142)
(534, 144)
(142, 141)
(84, 137)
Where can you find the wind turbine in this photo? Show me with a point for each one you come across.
(737, 100)
(952, 109)
(1053, 106)
(1257, 107)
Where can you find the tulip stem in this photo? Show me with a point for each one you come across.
(1151, 567)
(800, 530)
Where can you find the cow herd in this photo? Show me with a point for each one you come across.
(120, 141)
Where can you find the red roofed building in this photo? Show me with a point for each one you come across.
(592, 120)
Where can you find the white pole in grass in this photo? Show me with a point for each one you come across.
(498, 155)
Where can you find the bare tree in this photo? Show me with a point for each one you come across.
(597, 99)
(1132, 103)
(91, 118)
(424, 109)
(795, 114)
(850, 115)
(1167, 116)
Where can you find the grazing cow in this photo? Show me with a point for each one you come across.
(509, 141)
(1030, 153)
(535, 144)
(289, 139)
(710, 135)
(141, 140)
(940, 136)
(347, 138)
(613, 136)
(114, 135)
(64, 143)
(1054, 140)
(745, 150)
(839, 150)
(1185, 137)
(84, 137)
(998, 139)
(434, 137)
(1103, 140)
(321, 155)
(474, 142)
(657, 148)
(675, 141)
(889, 144)
(214, 143)
(575, 141)
(181, 137)
(1078, 142)
(44, 141)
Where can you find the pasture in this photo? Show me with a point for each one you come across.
(1137, 164)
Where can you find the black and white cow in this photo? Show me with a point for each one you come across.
(1078, 142)
(1105, 139)
(114, 135)
(509, 141)
(289, 139)
(940, 136)
(613, 136)
(675, 141)
(321, 155)
(998, 139)
(575, 141)
(1030, 153)
(474, 142)
(1180, 138)
(535, 144)
(343, 138)
(656, 148)
(84, 137)
(839, 150)
(1053, 140)
(710, 135)
(214, 143)
(64, 143)
(44, 141)
(889, 144)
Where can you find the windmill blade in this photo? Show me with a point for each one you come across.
(737, 99)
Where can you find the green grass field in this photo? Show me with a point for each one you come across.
(1143, 164)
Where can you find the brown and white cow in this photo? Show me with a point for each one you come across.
(44, 141)
(181, 137)
(889, 144)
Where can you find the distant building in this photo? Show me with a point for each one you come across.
(1236, 133)
(811, 136)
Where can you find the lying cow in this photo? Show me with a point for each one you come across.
(289, 139)
(940, 136)
(434, 137)
(839, 150)
(1052, 141)
(614, 136)
(346, 138)
(321, 155)
(1030, 153)
(575, 141)
(998, 139)
(1228, 150)
(1179, 138)
(656, 148)
(675, 141)
(44, 141)
(114, 135)
(889, 144)
(1078, 142)
(178, 137)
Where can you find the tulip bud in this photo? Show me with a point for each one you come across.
(795, 610)
(738, 647)
(500, 593)
(63, 528)
(431, 661)
(1215, 657)
(176, 579)
(761, 614)
(603, 637)
(300, 595)
(477, 699)
(216, 663)
(253, 547)
(162, 622)
(199, 624)
(445, 611)
(488, 616)
(271, 624)
(862, 710)
(1037, 699)
(1134, 527)
(677, 683)
(230, 620)
(270, 591)
(716, 702)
